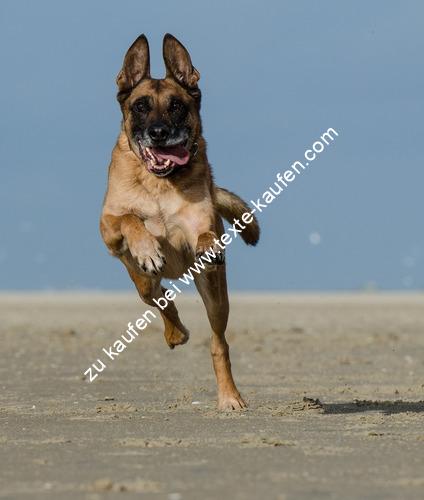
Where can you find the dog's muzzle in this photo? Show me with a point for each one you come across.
(162, 161)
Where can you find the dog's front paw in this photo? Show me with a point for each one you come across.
(210, 251)
(148, 255)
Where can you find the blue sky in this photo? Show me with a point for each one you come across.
(274, 76)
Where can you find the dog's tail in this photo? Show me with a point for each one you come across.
(231, 207)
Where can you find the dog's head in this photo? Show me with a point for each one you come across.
(161, 117)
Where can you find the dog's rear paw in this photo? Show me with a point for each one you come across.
(229, 402)
(210, 252)
(174, 336)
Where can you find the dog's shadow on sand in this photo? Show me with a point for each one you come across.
(361, 406)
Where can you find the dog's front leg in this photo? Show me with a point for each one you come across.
(203, 239)
(128, 233)
(208, 245)
(127, 238)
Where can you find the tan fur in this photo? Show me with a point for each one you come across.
(230, 206)
(156, 226)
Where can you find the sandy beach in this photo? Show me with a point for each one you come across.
(335, 385)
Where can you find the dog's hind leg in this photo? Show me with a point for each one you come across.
(149, 288)
(212, 287)
(175, 332)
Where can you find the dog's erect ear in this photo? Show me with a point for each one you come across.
(178, 64)
(136, 67)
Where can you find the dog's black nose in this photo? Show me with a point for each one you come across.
(158, 132)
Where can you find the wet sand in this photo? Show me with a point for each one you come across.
(335, 385)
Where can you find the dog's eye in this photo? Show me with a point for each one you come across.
(176, 106)
(141, 106)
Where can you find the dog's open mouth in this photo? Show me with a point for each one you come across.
(161, 161)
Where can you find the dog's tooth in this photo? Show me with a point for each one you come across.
(168, 162)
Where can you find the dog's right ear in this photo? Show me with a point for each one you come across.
(136, 67)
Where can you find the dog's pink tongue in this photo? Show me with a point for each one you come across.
(177, 154)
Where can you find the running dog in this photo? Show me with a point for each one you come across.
(162, 210)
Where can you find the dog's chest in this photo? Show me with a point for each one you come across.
(172, 214)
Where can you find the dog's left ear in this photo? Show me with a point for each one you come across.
(178, 64)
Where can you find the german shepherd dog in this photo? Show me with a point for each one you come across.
(162, 209)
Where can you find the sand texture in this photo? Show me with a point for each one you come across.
(335, 385)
